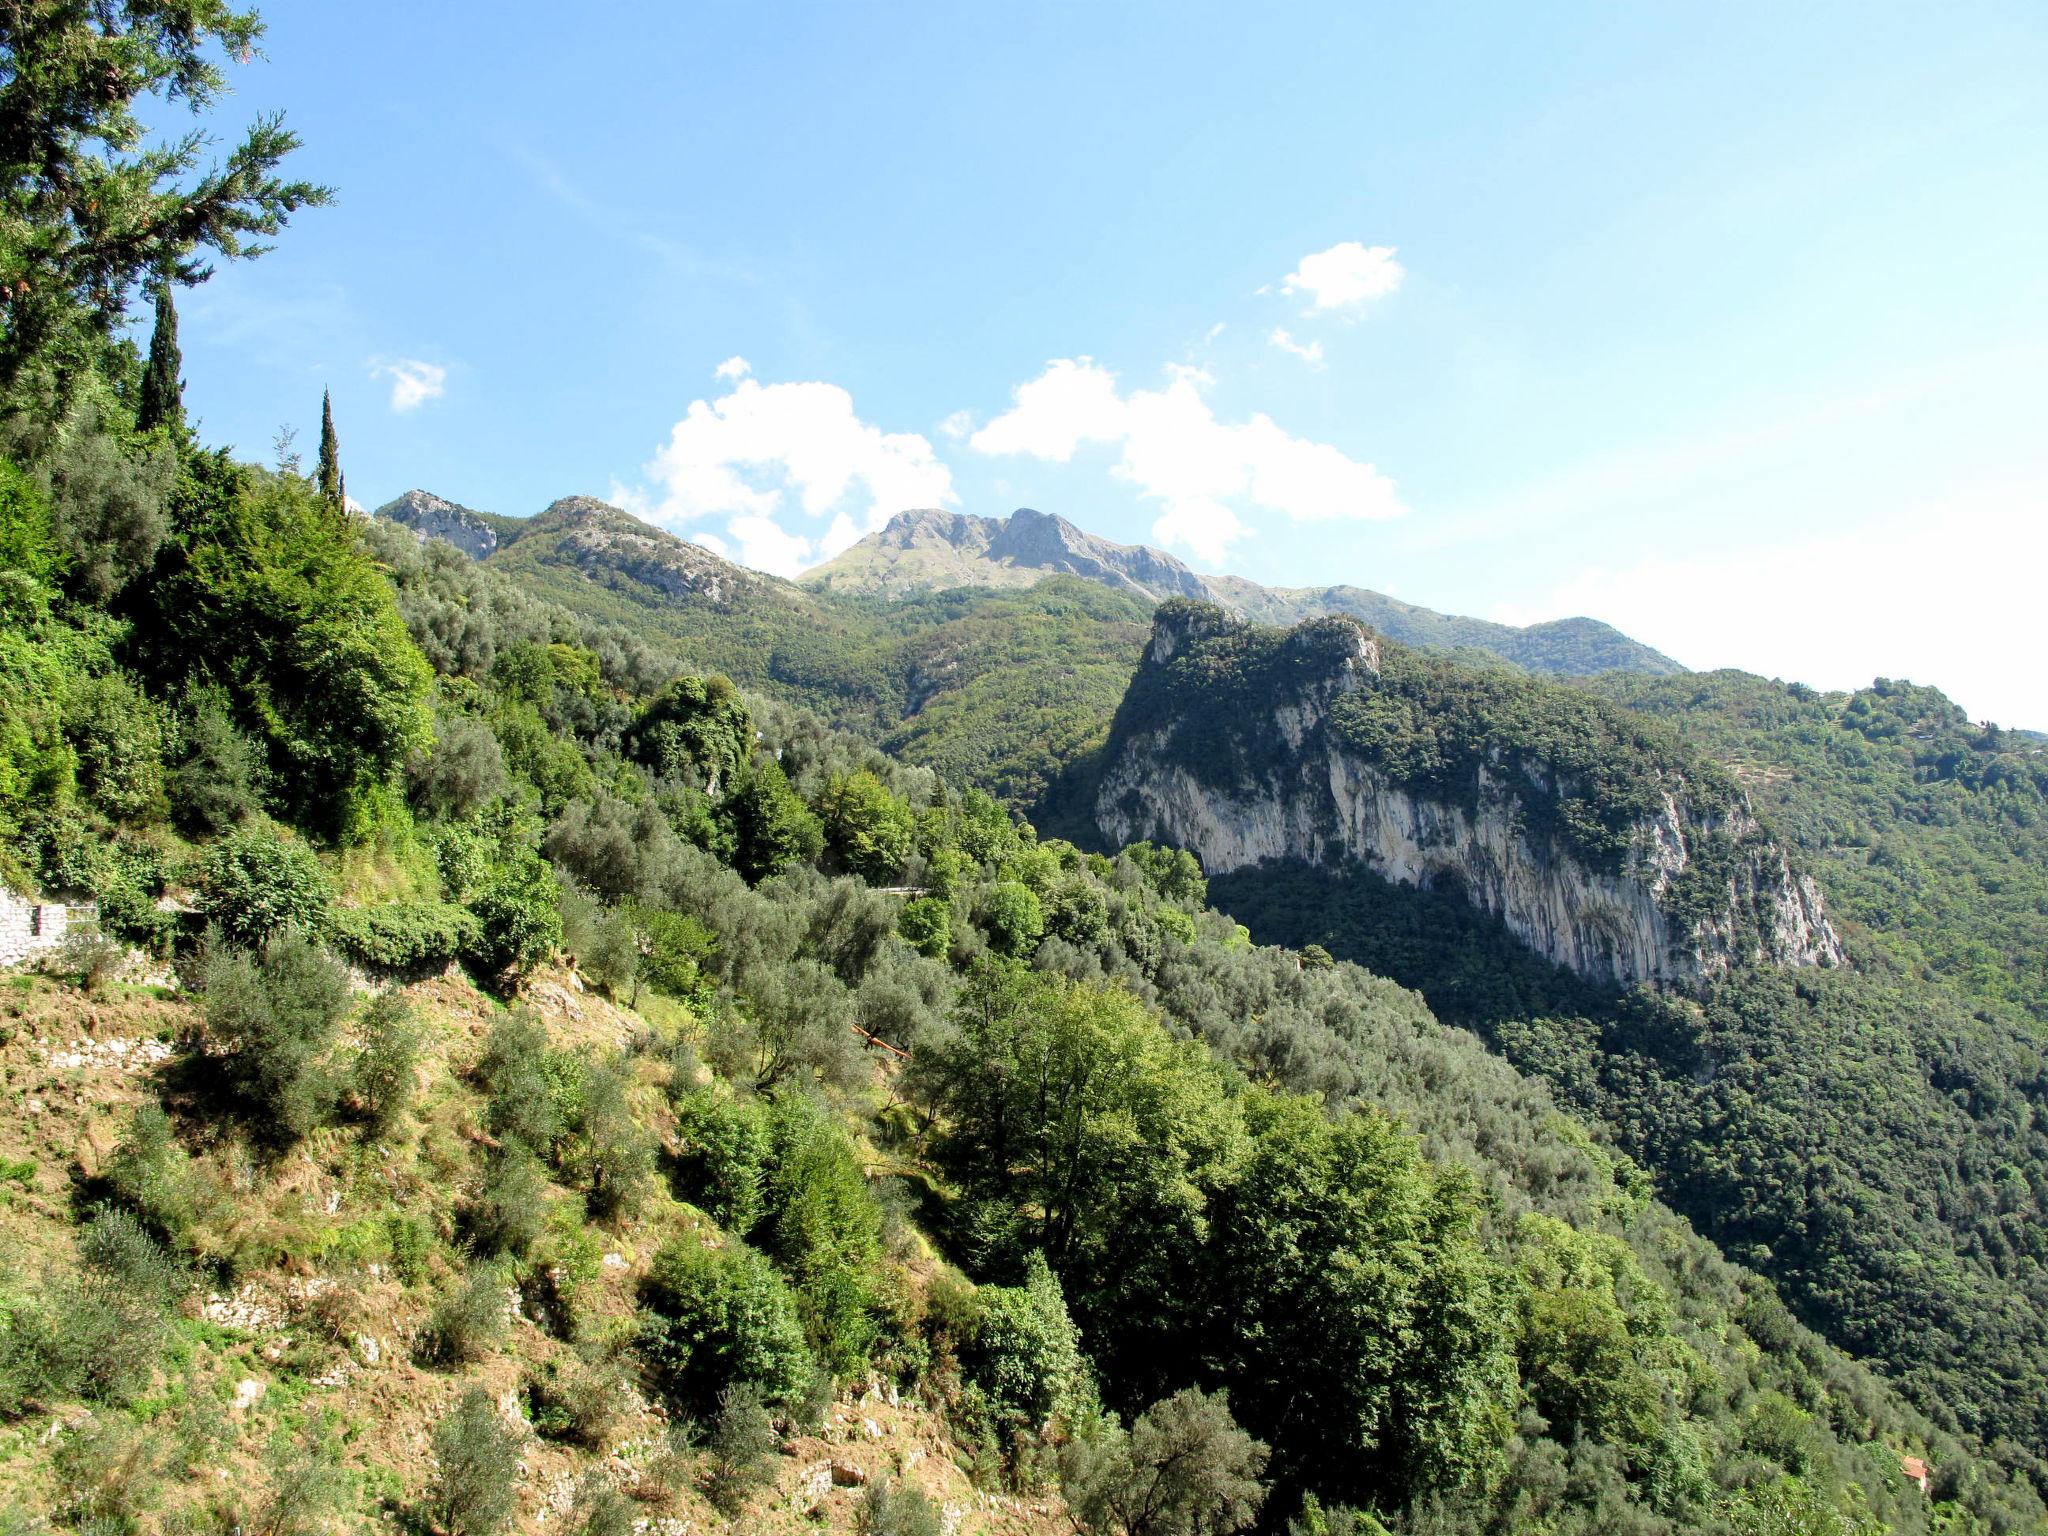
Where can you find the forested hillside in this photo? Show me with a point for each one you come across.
(514, 1078)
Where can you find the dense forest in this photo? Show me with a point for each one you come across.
(518, 1077)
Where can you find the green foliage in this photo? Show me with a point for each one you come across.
(1011, 916)
(717, 1316)
(322, 670)
(823, 1228)
(770, 825)
(271, 1017)
(147, 1175)
(742, 1440)
(327, 478)
(219, 781)
(891, 1508)
(476, 1464)
(385, 1073)
(404, 936)
(161, 399)
(726, 1145)
(926, 924)
(1185, 1469)
(254, 884)
(468, 1320)
(514, 1075)
(1174, 873)
(868, 831)
(606, 1151)
(518, 912)
(510, 1210)
(695, 728)
(1023, 1351)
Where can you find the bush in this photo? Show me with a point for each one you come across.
(511, 1209)
(273, 1018)
(723, 1164)
(897, 1509)
(147, 1175)
(476, 1468)
(675, 951)
(582, 1405)
(464, 772)
(514, 1077)
(741, 1442)
(405, 936)
(96, 1334)
(926, 924)
(89, 958)
(824, 1229)
(1185, 1469)
(385, 1072)
(1024, 1351)
(601, 1510)
(469, 1320)
(607, 1152)
(308, 1484)
(718, 1316)
(110, 1473)
(220, 782)
(1012, 917)
(518, 912)
(254, 883)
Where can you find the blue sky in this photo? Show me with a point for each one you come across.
(1728, 324)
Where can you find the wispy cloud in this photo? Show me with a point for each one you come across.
(413, 382)
(1307, 351)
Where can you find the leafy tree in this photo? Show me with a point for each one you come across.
(726, 1145)
(384, 1073)
(272, 1015)
(519, 912)
(161, 401)
(696, 727)
(1024, 1352)
(741, 1442)
(823, 1228)
(1012, 916)
(255, 884)
(476, 1464)
(926, 924)
(514, 1075)
(771, 826)
(868, 831)
(1185, 1469)
(716, 1316)
(327, 477)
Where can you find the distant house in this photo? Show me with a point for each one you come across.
(1915, 1470)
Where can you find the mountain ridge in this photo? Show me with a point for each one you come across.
(930, 550)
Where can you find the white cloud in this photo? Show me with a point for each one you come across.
(1906, 597)
(1204, 473)
(958, 425)
(1214, 331)
(733, 368)
(1346, 276)
(1307, 351)
(413, 382)
(749, 454)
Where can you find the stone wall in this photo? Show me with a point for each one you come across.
(29, 928)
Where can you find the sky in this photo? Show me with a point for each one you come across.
(1725, 324)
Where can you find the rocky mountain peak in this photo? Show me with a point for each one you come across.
(436, 517)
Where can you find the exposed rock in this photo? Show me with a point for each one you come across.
(1315, 797)
(433, 517)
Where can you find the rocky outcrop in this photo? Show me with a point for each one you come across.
(1700, 888)
(432, 517)
(602, 541)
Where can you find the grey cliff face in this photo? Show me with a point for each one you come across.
(1324, 803)
(433, 517)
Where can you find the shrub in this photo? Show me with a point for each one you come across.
(220, 781)
(723, 1165)
(514, 1076)
(469, 1320)
(384, 1074)
(405, 936)
(308, 1484)
(273, 1016)
(118, 734)
(1024, 1351)
(741, 1442)
(254, 883)
(464, 772)
(607, 1151)
(1012, 917)
(897, 1509)
(96, 1334)
(674, 952)
(1185, 1469)
(926, 924)
(476, 1467)
(824, 1229)
(110, 1473)
(147, 1175)
(717, 1316)
(508, 1214)
(518, 912)
(90, 959)
(601, 1510)
(583, 1405)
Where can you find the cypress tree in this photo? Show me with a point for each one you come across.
(162, 399)
(332, 489)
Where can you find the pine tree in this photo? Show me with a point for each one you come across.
(333, 490)
(162, 400)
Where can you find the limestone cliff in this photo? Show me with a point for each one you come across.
(434, 517)
(1607, 850)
